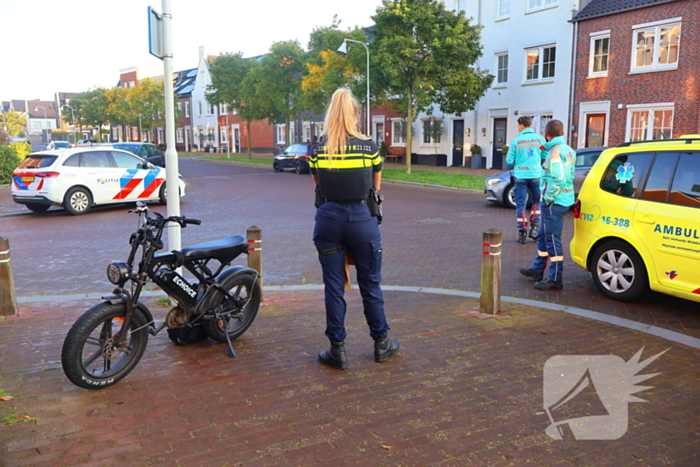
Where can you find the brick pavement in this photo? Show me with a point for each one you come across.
(463, 391)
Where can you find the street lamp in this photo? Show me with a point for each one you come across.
(343, 50)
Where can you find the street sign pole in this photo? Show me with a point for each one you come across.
(156, 41)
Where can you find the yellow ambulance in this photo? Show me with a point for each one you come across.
(637, 220)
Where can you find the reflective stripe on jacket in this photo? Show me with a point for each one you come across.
(524, 154)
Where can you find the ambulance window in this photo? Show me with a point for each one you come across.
(624, 173)
(685, 190)
(660, 176)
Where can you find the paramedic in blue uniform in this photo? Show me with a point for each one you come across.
(526, 157)
(557, 188)
(345, 166)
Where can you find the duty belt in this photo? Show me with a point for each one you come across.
(348, 201)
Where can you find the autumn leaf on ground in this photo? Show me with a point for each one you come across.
(388, 448)
(6, 398)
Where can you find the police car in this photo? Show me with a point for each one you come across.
(79, 178)
(637, 220)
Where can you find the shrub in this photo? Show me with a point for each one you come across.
(21, 149)
(8, 162)
(383, 150)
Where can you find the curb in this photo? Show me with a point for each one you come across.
(580, 312)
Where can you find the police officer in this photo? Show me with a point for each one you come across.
(525, 155)
(345, 166)
(557, 188)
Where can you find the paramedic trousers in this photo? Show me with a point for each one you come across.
(522, 187)
(549, 242)
(343, 229)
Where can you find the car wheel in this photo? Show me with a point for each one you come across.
(163, 194)
(38, 207)
(298, 167)
(77, 201)
(618, 271)
(276, 166)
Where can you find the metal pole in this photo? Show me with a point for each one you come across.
(490, 298)
(228, 137)
(171, 164)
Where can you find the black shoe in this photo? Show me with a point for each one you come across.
(522, 236)
(527, 272)
(385, 348)
(335, 356)
(548, 285)
(534, 228)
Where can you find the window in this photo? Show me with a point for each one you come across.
(134, 134)
(534, 5)
(502, 69)
(307, 132)
(179, 106)
(126, 161)
(686, 184)
(655, 47)
(319, 130)
(281, 133)
(179, 135)
(650, 123)
(224, 134)
(98, 159)
(503, 9)
(223, 109)
(624, 172)
(432, 130)
(199, 108)
(600, 51)
(543, 120)
(187, 109)
(660, 175)
(144, 135)
(398, 133)
(460, 5)
(211, 109)
(540, 63)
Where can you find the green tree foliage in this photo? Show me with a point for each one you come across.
(8, 162)
(277, 81)
(146, 105)
(427, 56)
(16, 123)
(232, 84)
(94, 108)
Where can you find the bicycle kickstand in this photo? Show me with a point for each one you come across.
(230, 351)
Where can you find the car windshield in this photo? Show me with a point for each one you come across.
(133, 148)
(34, 161)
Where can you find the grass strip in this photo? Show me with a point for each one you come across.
(254, 160)
(429, 177)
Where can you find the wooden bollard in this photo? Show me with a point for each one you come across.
(490, 300)
(8, 301)
(254, 235)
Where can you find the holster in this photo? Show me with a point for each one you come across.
(374, 202)
(319, 200)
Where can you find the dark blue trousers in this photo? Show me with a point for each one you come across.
(520, 191)
(549, 242)
(350, 228)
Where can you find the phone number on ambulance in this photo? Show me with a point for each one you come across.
(608, 220)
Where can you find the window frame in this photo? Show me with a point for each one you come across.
(500, 15)
(543, 5)
(540, 64)
(423, 135)
(280, 133)
(223, 134)
(397, 140)
(597, 36)
(656, 26)
(460, 5)
(499, 56)
(650, 109)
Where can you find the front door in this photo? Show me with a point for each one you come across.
(236, 138)
(378, 132)
(499, 140)
(457, 142)
(595, 130)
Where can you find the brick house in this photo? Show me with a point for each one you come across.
(636, 71)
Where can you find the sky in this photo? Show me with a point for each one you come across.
(75, 45)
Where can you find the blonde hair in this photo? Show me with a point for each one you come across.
(341, 122)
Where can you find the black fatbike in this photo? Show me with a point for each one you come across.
(108, 340)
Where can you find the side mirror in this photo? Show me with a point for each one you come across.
(146, 165)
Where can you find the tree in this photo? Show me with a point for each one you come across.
(147, 105)
(231, 84)
(16, 123)
(278, 83)
(427, 55)
(94, 106)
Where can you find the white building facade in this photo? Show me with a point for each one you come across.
(527, 47)
(204, 115)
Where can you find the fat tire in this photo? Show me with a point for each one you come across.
(250, 290)
(80, 194)
(37, 207)
(638, 278)
(72, 353)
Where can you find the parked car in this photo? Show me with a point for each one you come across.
(499, 187)
(636, 220)
(79, 178)
(149, 151)
(58, 145)
(295, 157)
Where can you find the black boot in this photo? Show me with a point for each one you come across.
(522, 236)
(534, 228)
(385, 348)
(335, 357)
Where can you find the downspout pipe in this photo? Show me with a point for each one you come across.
(572, 87)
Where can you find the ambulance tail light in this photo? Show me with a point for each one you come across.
(46, 174)
(577, 209)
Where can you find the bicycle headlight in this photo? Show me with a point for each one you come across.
(117, 273)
